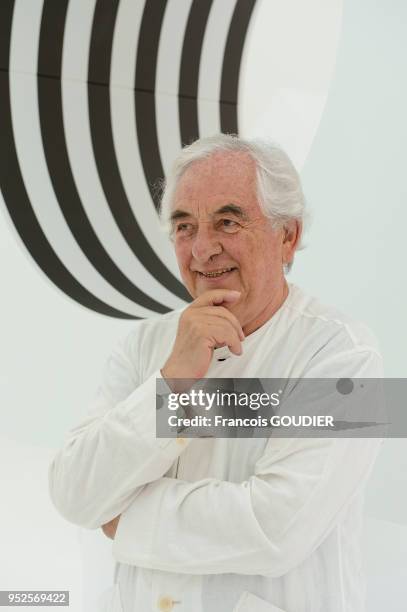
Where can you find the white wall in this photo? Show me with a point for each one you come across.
(344, 123)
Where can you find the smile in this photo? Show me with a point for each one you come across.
(216, 273)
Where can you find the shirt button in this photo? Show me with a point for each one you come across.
(181, 441)
(165, 604)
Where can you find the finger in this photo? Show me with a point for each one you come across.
(216, 297)
(224, 314)
(226, 336)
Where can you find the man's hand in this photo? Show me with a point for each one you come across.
(203, 326)
(109, 529)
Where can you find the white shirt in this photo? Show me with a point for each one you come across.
(222, 525)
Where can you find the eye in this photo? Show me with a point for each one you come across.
(183, 227)
(229, 225)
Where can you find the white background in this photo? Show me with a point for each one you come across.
(334, 93)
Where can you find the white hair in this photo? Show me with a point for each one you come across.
(279, 189)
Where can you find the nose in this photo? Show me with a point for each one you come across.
(206, 243)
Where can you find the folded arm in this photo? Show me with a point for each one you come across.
(266, 525)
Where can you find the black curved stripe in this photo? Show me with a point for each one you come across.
(146, 70)
(231, 65)
(17, 199)
(189, 71)
(57, 158)
(104, 149)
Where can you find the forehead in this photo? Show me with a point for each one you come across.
(223, 178)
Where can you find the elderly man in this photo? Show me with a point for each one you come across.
(217, 524)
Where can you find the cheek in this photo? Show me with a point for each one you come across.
(261, 259)
(249, 254)
(183, 257)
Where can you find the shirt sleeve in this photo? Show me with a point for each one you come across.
(265, 525)
(113, 453)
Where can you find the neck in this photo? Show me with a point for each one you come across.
(268, 311)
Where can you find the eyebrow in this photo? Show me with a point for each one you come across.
(178, 214)
(231, 208)
(227, 208)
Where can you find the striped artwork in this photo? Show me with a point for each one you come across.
(97, 98)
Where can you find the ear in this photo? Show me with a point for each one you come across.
(291, 239)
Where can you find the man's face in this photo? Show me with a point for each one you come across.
(223, 240)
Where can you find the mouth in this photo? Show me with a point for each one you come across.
(216, 273)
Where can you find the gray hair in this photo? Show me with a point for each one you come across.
(279, 189)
